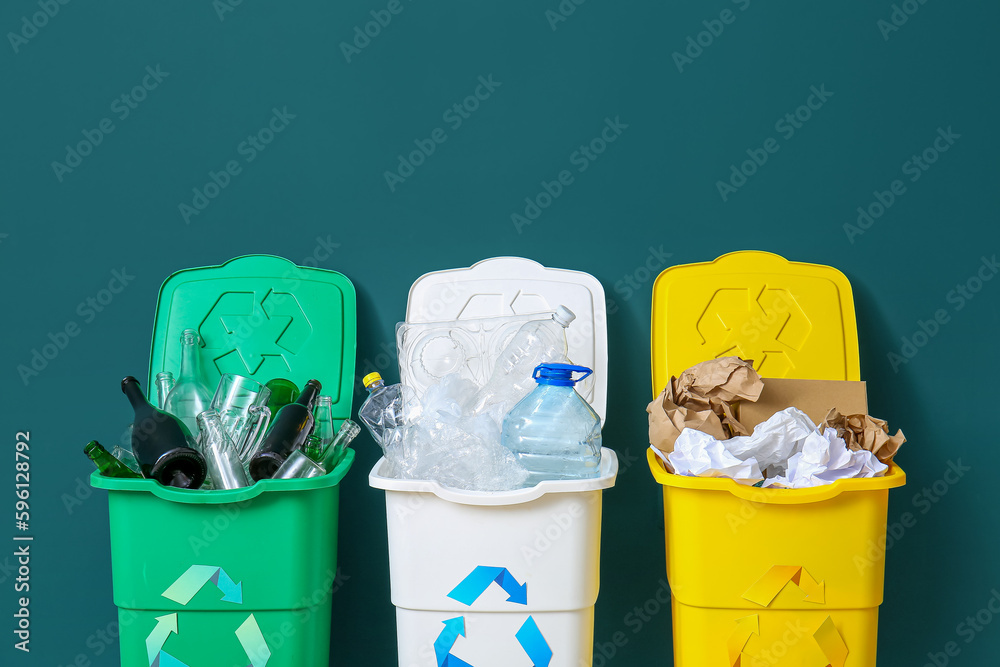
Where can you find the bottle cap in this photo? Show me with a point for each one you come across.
(371, 379)
(563, 316)
(559, 375)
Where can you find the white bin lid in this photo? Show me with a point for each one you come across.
(518, 286)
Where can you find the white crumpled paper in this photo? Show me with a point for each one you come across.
(697, 454)
(788, 449)
(825, 458)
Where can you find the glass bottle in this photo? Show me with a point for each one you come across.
(164, 383)
(289, 430)
(190, 396)
(300, 464)
(160, 443)
(282, 391)
(225, 469)
(108, 464)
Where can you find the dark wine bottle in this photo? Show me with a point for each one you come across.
(160, 443)
(289, 430)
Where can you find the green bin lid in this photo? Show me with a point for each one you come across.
(263, 317)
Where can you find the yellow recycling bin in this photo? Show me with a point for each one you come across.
(758, 576)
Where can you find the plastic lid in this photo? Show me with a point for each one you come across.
(559, 375)
(795, 320)
(370, 379)
(262, 317)
(518, 286)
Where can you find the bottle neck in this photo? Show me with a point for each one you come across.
(309, 394)
(375, 386)
(190, 360)
(133, 392)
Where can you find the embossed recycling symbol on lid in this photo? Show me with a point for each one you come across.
(248, 331)
(765, 325)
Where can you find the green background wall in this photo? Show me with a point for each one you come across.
(319, 191)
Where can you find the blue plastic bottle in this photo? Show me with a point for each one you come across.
(553, 432)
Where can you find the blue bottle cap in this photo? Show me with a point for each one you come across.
(560, 375)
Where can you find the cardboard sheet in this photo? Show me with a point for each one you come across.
(813, 397)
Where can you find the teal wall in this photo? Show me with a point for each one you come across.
(886, 94)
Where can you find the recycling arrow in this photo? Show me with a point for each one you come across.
(165, 626)
(453, 627)
(242, 328)
(746, 627)
(252, 640)
(480, 579)
(765, 589)
(531, 640)
(827, 638)
(196, 576)
(164, 659)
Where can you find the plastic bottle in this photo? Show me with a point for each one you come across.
(553, 432)
(534, 343)
(382, 411)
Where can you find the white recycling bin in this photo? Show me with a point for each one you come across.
(509, 578)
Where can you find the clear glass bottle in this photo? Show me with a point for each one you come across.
(190, 396)
(225, 469)
(164, 383)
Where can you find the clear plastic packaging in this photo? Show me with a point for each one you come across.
(429, 351)
(534, 343)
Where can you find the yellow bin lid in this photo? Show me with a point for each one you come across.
(795, 320)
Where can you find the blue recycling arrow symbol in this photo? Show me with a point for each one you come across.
(480, 579)
(529, 636)
(531, 640)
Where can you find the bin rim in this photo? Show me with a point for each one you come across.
(606, 480)
(219, 497)
(894, 477)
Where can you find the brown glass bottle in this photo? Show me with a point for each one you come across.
(289, 430)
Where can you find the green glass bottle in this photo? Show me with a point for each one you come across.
(283, 392)
(106, 463)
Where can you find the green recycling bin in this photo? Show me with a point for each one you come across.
(240, 577)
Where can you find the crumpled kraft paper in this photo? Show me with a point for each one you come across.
(865, 432)
(699, 399)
